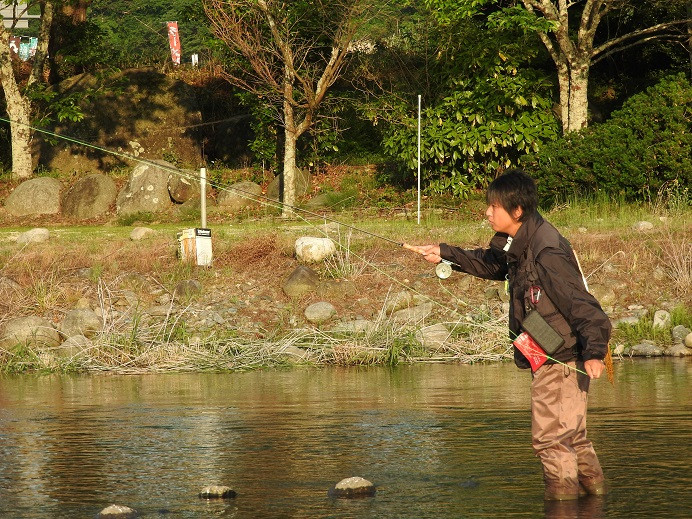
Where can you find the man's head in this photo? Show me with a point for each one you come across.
(515, 192)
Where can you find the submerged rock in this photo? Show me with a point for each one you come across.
(117, 511)
(217, 492)
(352, 488)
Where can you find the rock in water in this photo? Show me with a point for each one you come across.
(352, 488)
(117, 512)
(217, 492)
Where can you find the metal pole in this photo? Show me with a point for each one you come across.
(418, 159)
(203, 194)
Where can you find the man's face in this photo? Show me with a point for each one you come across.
(501, 220)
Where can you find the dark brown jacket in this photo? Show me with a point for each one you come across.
(539, 255)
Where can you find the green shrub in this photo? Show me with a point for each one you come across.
(643, 147)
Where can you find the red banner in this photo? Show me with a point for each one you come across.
(174, 40)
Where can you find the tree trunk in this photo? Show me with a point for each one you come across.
(563, 81)
(18, 111)
(578, 117)
(289, 170)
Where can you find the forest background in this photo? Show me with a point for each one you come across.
(592, 97)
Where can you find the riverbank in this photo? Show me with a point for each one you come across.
(147, 311)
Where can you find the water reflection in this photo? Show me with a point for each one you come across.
(437, 440)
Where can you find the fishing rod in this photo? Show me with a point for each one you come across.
(443, 268)
(246, 194)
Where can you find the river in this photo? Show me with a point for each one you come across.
(438, 440)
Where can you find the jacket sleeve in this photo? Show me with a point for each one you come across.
(565, 287)
(488, 263)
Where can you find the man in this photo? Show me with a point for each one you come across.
(543, 275)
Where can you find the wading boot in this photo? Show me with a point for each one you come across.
(560, 494)
(592, 488)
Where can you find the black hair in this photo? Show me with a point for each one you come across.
(512, 190)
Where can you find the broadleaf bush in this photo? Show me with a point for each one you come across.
(644, 147)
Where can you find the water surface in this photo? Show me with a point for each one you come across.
(437, 441)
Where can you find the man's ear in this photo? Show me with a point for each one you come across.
(518, 213)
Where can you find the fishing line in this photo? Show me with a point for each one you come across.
(254, 197)
(251, 196)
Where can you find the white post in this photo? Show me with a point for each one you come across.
(418, 159)
(203, 194)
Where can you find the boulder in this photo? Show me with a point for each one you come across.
(320, 312)
(661, 319)
(36, 235)
(81, 321)
(74, 346)
(146, 189)
(678, 350)
(302, 185)
(643, 226)
(238, 196)
(433, 337)
(352, 488)
(300, 282)
(32, 331)
(139, 233)
(414, 314)
(34, 197)
(314, 250)
(184, 187)
(646, 349)
(89, 197)
(688, 340)
(357, 326)
(679, 333)
(187, 288)
(8, 286)
(398, 301)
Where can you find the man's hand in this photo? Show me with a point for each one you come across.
(430, 252)
(593, 367)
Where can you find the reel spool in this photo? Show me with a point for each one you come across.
(443, 269)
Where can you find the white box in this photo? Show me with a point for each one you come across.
(194, 245)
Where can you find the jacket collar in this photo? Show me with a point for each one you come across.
(523, 237)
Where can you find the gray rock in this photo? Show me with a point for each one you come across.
(626, 320)
(314, 250)
(302, 185)
(414, 314)
(32, 331)
(293, 352)
(398, 301)
(34, 197)
(117, 512)
(679, 333)
(146, 190)
(239, 196)
(661, 319)
(139, 233)
(36, 235)
(301, 281)
(352, 488)
(678, 350)
(80, 321)
(603, 294)
(89, 197)
(187, 288)
(433, 337)
(74, 346)
(160, 311)
(321, 200)
(184, 187)
(217, 492)
(688, 340)
(320, 312)
(356, 326)
(8, 285)
(643, 226)
(646, 349)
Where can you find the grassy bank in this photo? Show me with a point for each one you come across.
(242, 319)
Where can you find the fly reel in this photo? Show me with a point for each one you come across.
(443, 269)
